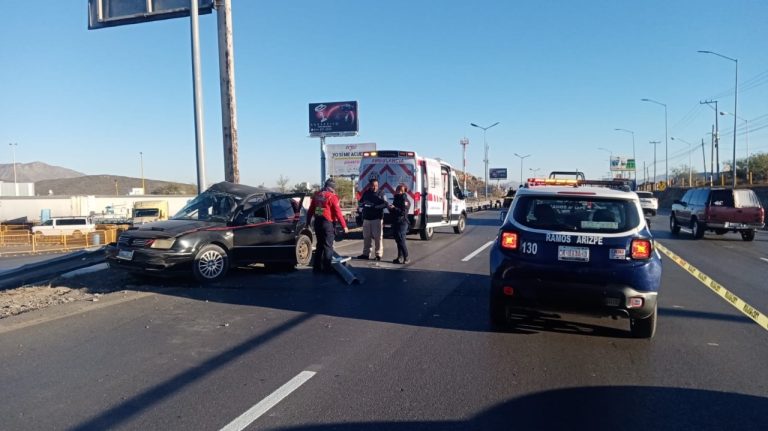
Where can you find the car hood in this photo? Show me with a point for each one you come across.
(170, 228)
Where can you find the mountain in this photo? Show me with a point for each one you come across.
(35, 171)
(109, 185)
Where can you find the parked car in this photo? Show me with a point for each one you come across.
(75, 226)
(579, 248)
(228, 224)
(648, 203)
(719, 210)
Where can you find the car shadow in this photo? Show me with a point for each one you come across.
(595, 408)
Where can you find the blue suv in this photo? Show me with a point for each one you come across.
(577, 248)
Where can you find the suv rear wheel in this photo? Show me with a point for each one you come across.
(748, 235)
(673, 226)
(644, 328)
(211, 264)
(697, 229)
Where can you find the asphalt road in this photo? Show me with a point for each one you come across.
(409, 349)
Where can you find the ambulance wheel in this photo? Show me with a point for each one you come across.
(427, 233)
(459, 228)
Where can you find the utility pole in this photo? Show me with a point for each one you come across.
(654, 143)
(464, 142)
(704, 160)
(715, 138)
(227, 89)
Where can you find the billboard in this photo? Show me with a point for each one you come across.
(497, 173)
(333, 119)
(110, 13)
(621, 164)
(344, 159)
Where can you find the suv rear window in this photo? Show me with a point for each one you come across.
(576, 214)
(722, 198)
(70, 222)
(746, 199)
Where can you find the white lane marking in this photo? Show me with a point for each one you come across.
(476, 252)
(267, 403)
(764, 259)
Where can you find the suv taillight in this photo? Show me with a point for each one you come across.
(509, 240)
(641, 249)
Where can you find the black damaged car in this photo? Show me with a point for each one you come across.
(229, 224)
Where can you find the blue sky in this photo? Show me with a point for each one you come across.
(559, 76)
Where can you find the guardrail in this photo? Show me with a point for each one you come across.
(13, 242)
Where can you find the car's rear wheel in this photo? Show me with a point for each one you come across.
(497, 312)
(644, 328)
(303, 250)
(748, 235)
(427, 233)
(697, 229)
(673, 226)
(211, 264)
(461, 225)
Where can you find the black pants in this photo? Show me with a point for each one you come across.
(400, 230)
(324, 251)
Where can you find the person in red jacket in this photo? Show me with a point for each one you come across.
(326, 210)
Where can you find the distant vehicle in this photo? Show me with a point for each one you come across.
(433, 189)
(719, 210)
(226, 225)
(75, 226)
(508, 198)
(576, 247)
(149, 211)
(649, 203)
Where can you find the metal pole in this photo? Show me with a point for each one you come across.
(485, 145)
(198, 96)
(141, 159)
(633, 156)
(464, 142)
(654, 143)
(227, 89)
(712, 158)
(735, 114)
(748, 177)
(13, 156)
(322, 161)
(666, 148)
(717, 143)
(690, 172)
(704, 160)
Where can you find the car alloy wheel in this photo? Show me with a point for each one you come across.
(303, 250)
(211, 264)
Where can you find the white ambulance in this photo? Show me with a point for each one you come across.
(433, 189)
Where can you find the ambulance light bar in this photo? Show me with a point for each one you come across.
(389, 154)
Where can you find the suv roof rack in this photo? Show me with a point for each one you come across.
(616, 183)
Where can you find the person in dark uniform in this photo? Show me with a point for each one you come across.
(326, 210)
(399, 210)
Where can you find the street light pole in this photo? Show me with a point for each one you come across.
(610, 158)
(13, 146)
(521, 165)
(141, 159)
(690, 173)
(633, 148)
(666, 141)
(735, 99)
(485, 144)
(534, 171)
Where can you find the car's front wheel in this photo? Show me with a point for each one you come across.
(748, 235)
(427, 233)
(644, 328)
(211, 264)
(673, 226)
(303, 250)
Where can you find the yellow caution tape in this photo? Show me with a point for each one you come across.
(738, 303)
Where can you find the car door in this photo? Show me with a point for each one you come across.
(285, 215)
(251, 230)
(266, 232)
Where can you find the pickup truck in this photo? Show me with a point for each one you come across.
(720, 210)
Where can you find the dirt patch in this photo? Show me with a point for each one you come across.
(84, 287)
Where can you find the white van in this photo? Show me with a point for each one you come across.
(75, 226)
(433, 189)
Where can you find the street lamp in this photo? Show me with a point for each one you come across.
(633, 148)
(13, 146)
(654, 143)
(735, 99)
(746, 124)
(690, 173)
(141, 160)
(521, 165)
(666, 141)
(485, 144)
(534, 171)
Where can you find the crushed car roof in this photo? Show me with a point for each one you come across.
(240, 190)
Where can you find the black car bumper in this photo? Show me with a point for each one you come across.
(147, 260)
(583, 298)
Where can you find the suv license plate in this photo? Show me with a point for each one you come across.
(125, 254)
(575, 254)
